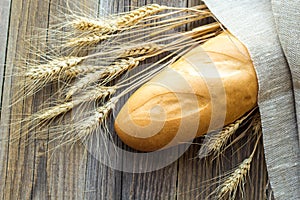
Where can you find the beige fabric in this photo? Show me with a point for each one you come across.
(287, 18)
(254, 24)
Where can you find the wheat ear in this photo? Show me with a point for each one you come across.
(99, 30)
(80, 70)
(139, 50)
(139, 14)
(92, 25)
(52, 68)
(125, 20)
(106, 74)
(39, 75)
(214, 142)
(135, 51)
(89, 95)
(83, 128)
(87, 40)
(230, 186)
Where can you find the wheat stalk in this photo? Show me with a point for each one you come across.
(141, 50)
(204, 30)
(108, 74)
(87, 40)
(52, 68)
(139, 14)
(110, 26)
(91, 25)
(214, 142)
(230, 186)
(93, 94)
(100, 30)
(39, 75)
(123, 65)
(134, 51)
(80, 70)
(84, 128)
(53, 112)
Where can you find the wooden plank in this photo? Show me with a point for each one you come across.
(19, 179)
(34, 172)
(67, 170)
(4, 24)
(160, 184)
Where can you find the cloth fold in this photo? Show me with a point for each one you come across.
(287, 18)
(265, 28)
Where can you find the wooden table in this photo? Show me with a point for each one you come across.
(30, 172)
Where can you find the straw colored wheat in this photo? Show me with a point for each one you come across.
(214, 142)
(90, 95)
(87, 126)
(99, 30)
(131, 38)
(236, 180)
(135, 36)
(106, 74)
(53, 68)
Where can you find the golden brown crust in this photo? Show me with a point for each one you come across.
(171, 103)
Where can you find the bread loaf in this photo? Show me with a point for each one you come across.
(179, 98)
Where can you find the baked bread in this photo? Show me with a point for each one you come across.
(176, 105)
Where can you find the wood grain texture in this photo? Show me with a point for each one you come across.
(4, 23)
(33, 172)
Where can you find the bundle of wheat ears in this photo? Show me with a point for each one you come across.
(95, 68)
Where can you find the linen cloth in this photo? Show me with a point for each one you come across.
(271, 32)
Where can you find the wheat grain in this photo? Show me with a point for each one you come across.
(122, 65)
(91, 25)
(88, 40)
(139, 14)
(141, 50)
(80, 70)
(52, 68)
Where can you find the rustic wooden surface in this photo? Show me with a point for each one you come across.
(27, 172)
